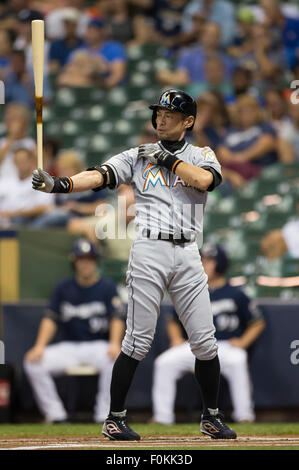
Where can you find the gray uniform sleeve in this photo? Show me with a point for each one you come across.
(122, 166)
(205, 158)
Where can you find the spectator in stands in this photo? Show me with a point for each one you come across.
(237, 325)
(105, 60)
(289, 136)
(61, 49)
(120, 24)
(266, 60)
(212, 121)
(19, 205)
(251, 143)
(242, 83)
(54, 19)
(221, 12)
(9, 13)
(7, 37)
(284, 241)
(70, 205)
(215, 80)
(190, 67)
(16, 119)
(165, 24)
(24, 39)
(107, 221)
(276, 107)
(282, 28)
(19, 83)
(167, 15)
(210, 128)
(90, 315)
(243, 32)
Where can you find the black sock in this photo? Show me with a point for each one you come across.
(207, 374)
(122, 376)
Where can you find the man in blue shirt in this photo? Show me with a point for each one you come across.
(283, 29)
(105, 59)
(90, 315)
(191, 63)
(61, 49)
(237, 323)
(19, 83)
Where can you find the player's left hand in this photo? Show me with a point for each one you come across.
(42, 181)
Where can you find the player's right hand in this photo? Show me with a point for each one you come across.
(35, 354)
(42, 181)
(149, 151)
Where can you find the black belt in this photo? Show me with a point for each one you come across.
(168, 237)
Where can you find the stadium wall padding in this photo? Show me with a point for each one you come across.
(275, 377)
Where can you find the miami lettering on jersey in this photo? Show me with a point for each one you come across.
(153, 174)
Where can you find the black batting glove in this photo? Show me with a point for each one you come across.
(154, 154)
(42, 181)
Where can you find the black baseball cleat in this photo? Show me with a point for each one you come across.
(213, 426)
(117, 429)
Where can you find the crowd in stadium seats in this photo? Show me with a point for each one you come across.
(237, 58)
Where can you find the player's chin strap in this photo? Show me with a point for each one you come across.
(105, 170)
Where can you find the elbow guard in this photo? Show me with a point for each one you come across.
(105, 170)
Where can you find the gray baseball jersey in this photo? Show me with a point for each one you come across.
(166, 204)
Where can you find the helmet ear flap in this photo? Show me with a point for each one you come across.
(154, 117)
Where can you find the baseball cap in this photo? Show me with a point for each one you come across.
(216, 252)
(70, 14)
(97, 23)
(83, 248)
(246, 15)
(27, 15)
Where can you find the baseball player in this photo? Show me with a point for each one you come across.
(89, 312)
(170, 181)
(237, 326)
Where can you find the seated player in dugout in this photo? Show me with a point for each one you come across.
(238, 324)
(90, 315)
(171, 180)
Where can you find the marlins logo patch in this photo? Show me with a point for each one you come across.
(165, 98)
(153, 175)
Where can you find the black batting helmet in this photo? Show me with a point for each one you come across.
(175, 100)
(217, 253)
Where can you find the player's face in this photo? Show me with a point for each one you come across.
(86, 267)
(172, 125)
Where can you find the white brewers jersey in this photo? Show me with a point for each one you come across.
(164, 202)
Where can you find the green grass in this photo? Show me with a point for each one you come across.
(93, 430)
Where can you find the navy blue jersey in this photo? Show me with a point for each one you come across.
(238, 140)
(84, 313)
(168, 15)
(232, 312)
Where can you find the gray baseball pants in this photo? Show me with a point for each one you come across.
(159, 265)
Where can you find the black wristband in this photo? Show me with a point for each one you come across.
(169, 161)
(62, 185)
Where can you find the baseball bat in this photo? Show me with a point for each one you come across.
(38, 40)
